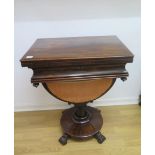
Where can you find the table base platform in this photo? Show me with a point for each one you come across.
(81, 122)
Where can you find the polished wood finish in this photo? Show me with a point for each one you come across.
(70, 91)
(36, 133)
(58, 59)
(81, 129)
(78, 70)
(73, 48)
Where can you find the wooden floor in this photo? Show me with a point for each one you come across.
(37, 133)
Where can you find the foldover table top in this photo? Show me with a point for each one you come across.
(76, 55)
(73, 48)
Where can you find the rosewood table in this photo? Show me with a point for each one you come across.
(78, 70)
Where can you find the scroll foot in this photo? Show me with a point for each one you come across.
(63, 139)
(123, 78)
(100, 138)
(36, 84)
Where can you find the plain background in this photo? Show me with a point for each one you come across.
(68, 18)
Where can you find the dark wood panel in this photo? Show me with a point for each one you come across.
(77, 75)
(74, 48)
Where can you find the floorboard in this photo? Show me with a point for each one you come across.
(37, 133)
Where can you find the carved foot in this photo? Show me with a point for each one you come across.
(36, 84)
(63, 139)
(100, 138)
(123, 78)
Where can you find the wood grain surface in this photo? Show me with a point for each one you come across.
(79, 91)
(77, 48)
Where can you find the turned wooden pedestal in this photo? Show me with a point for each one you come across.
(78, 71)
(81, 122)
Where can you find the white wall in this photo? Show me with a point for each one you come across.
(30, 10)
(73, 20)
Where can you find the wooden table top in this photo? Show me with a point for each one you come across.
(77, 58)
(74, 48)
